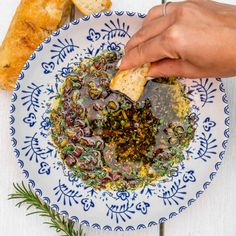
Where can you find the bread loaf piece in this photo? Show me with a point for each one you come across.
(131, 82)
(34, 21)
(87, 7)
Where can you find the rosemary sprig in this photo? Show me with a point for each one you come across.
(59, 223)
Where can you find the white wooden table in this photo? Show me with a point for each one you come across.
(213, 214)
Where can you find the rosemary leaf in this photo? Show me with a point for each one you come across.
(27, 196)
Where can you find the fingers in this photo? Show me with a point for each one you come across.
(157, 12)
(151, 50)
(147, 45)
(150, 30)
(177, 68)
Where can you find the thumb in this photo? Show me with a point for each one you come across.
(173, 67)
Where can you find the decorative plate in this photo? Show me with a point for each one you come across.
(109, 210)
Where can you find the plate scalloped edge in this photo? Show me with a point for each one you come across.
(55, 206)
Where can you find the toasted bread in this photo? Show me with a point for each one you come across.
(87, 7)
(34, 21)
(131, 82)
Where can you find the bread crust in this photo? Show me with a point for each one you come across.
(33, 21)
(88, 10)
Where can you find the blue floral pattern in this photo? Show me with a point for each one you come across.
(143, 207)
(66, 195)
(30, 119)
(208, 124)
(33, 149)
(123, 195)
(31, 97)
(189, 176)
(66, 71)
(114, 28)
(93, 36)
(44, 168)
(174, 194)
(112, 46)
(206, 147)
(45, 123)
(62, 48)
(38, 158)
(87, 203)
(48, 67)
(205, 89)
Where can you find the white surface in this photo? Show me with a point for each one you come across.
(212, 215)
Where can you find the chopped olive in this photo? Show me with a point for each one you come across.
(83, 67)
(95, 93)
(63, 143)
(112, 105)
(75, 96)
(91, 84)
(87, 132)
(70, 161)
(77, 85)
(179, 130)
(97, 107)
(172, 140)
(78, 152)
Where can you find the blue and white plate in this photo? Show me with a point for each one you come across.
(109, 210)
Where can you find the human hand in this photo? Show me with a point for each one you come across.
(195, 39)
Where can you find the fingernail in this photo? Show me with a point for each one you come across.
(150, 78)
(119, 63)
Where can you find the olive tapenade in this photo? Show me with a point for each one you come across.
(111, 142)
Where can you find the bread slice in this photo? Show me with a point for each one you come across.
(87, 7)
(131, 82)
(34, 21)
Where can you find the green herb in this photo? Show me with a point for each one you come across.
(25, 195)
(80, 101)
(68, 149)
(62, 122)
(58, 95)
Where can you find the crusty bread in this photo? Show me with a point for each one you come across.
(131, 82)
(34, 20)
(87, 7)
